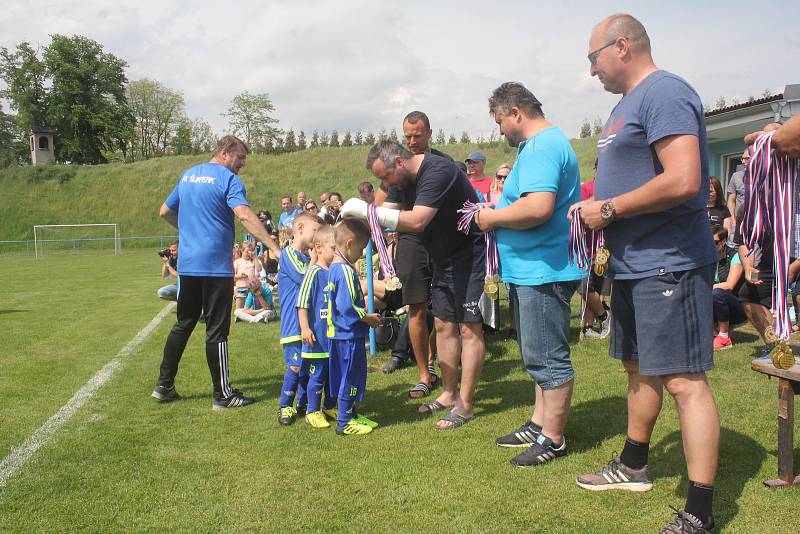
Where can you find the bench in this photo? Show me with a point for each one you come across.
(788, 385)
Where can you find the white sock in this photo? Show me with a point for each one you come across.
(723, 334)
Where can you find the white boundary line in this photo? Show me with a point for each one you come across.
(21, 454)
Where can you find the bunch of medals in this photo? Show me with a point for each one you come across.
(392, 281)
(587, 252)
(769, 208)
(491, 284)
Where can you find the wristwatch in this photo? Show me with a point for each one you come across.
(607, 211)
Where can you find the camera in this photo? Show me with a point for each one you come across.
(164, 253)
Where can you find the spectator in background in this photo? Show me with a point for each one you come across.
(289, 212)
(717, 210)
(735, 195)
(259, 306)
(323, 204)
(266, 219)
(366, 192)
(728, 309)
(301, 201)
(496, 189)
(245, 272)
(476, 165)
(169, 269)
(334, 205)
(311, 207)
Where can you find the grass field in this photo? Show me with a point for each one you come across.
(126, 463)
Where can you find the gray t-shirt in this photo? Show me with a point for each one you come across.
(736, 185)
(676, 239)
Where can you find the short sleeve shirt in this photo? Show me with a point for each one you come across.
(539, 255)
(736, 185)
(204, 198)
(345, 303)
(483, 185)
(676, 239)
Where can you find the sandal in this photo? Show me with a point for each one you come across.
(431, 408)
(455, 420)
(422, 389)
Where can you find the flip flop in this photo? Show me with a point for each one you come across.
(423, 388)
(456, 420)
(431, 408)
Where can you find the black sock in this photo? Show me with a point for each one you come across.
(634, 454)
(603, 317)
(698, 501)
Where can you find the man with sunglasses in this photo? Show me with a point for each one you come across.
(650, 195)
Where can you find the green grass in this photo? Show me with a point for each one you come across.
(130, 194)
(126, 463)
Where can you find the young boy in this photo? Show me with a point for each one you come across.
(348, 325)
(312, 311)
(291, 269)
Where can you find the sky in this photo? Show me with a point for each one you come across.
(362, 65)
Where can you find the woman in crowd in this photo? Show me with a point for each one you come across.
(717, 210)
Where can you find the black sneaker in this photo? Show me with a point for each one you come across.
(525, 436)
(165, 394)
(540, 452)
(686, 523)
(234, 401)
(616, 475)
(393, 364)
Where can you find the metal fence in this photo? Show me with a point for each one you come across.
(80, 245)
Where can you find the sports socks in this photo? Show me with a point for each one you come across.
(634, 454)
(347, 411)
(698, 501)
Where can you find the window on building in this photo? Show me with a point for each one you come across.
(44, 143)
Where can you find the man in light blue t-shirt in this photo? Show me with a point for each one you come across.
(530, 222)
(290, 211)
(202, 207)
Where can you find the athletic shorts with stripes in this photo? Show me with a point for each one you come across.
(665, 322)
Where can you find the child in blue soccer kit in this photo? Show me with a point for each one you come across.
(348, 326)
(312, 312)
(291, 270)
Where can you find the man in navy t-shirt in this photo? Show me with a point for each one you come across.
(202, 206)
(650, 196)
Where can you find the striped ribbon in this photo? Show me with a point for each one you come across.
(583, 244)
(769, 208)
(380, 243)
(468, 213)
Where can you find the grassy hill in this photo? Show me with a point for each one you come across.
(130, 194)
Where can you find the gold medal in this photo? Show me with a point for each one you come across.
(782, 355)
(491, 286)
(769, 335)
(601, 258)
(393, 284)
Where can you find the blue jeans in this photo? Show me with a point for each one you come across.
(541, 318)
(169, 292)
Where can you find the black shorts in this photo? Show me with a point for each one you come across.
(665, 322)
(413, 266)
(458, 286)
(757, 293)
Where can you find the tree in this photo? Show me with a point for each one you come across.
(393, 136)
(369, 140)
(301, 140)
(382, 134)
(158, 112)
(289, 143)
(181, 142)
(766, 93)
(334, 138)
(347, 140)
(13, 148)
(25, 75)
(464, 138)
(203, 138)
(359, 139)
(440, 140)
(452, 139)
(250, 119)
(586, 129)
(720, 103)
(324, 140)
(597, 126)
(314, 139)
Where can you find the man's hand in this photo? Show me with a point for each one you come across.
(591, 214)
(484, 219)
(308, 336)
(355, 208)
(164, 259)
(372, 319)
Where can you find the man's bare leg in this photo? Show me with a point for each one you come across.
(552, 410)
(759, 316)
(449, 344)
(418, 332)
(645, 394)
(473, 352)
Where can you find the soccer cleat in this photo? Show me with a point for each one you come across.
(165, 394)
(361, 420)
(525, 436)
(617, 476)
(686, 523)
(353, 429)
(234, 401)
(722, 343)
(317, 420)
(540, 452)
(286, 415)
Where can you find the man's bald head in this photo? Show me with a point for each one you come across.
(624, 25)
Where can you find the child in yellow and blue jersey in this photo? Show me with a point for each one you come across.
(348, 326)
(312, 312)
(291, 270)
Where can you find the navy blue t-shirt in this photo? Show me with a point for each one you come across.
(673, 240)
(204, 199)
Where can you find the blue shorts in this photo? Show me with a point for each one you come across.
(291, 354)
(665, 322)
(542, 315)
(348, 368)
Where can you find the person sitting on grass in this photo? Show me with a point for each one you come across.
(348, 326)
(728, 310)
(245, 272)
(312, 312)
(258, 306)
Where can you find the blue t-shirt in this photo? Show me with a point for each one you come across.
(204, 199)
(291, 270)
(676, 239)
(288, 218)
(345, 303)
(252, 301)
(540, 255)
(312, 298)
